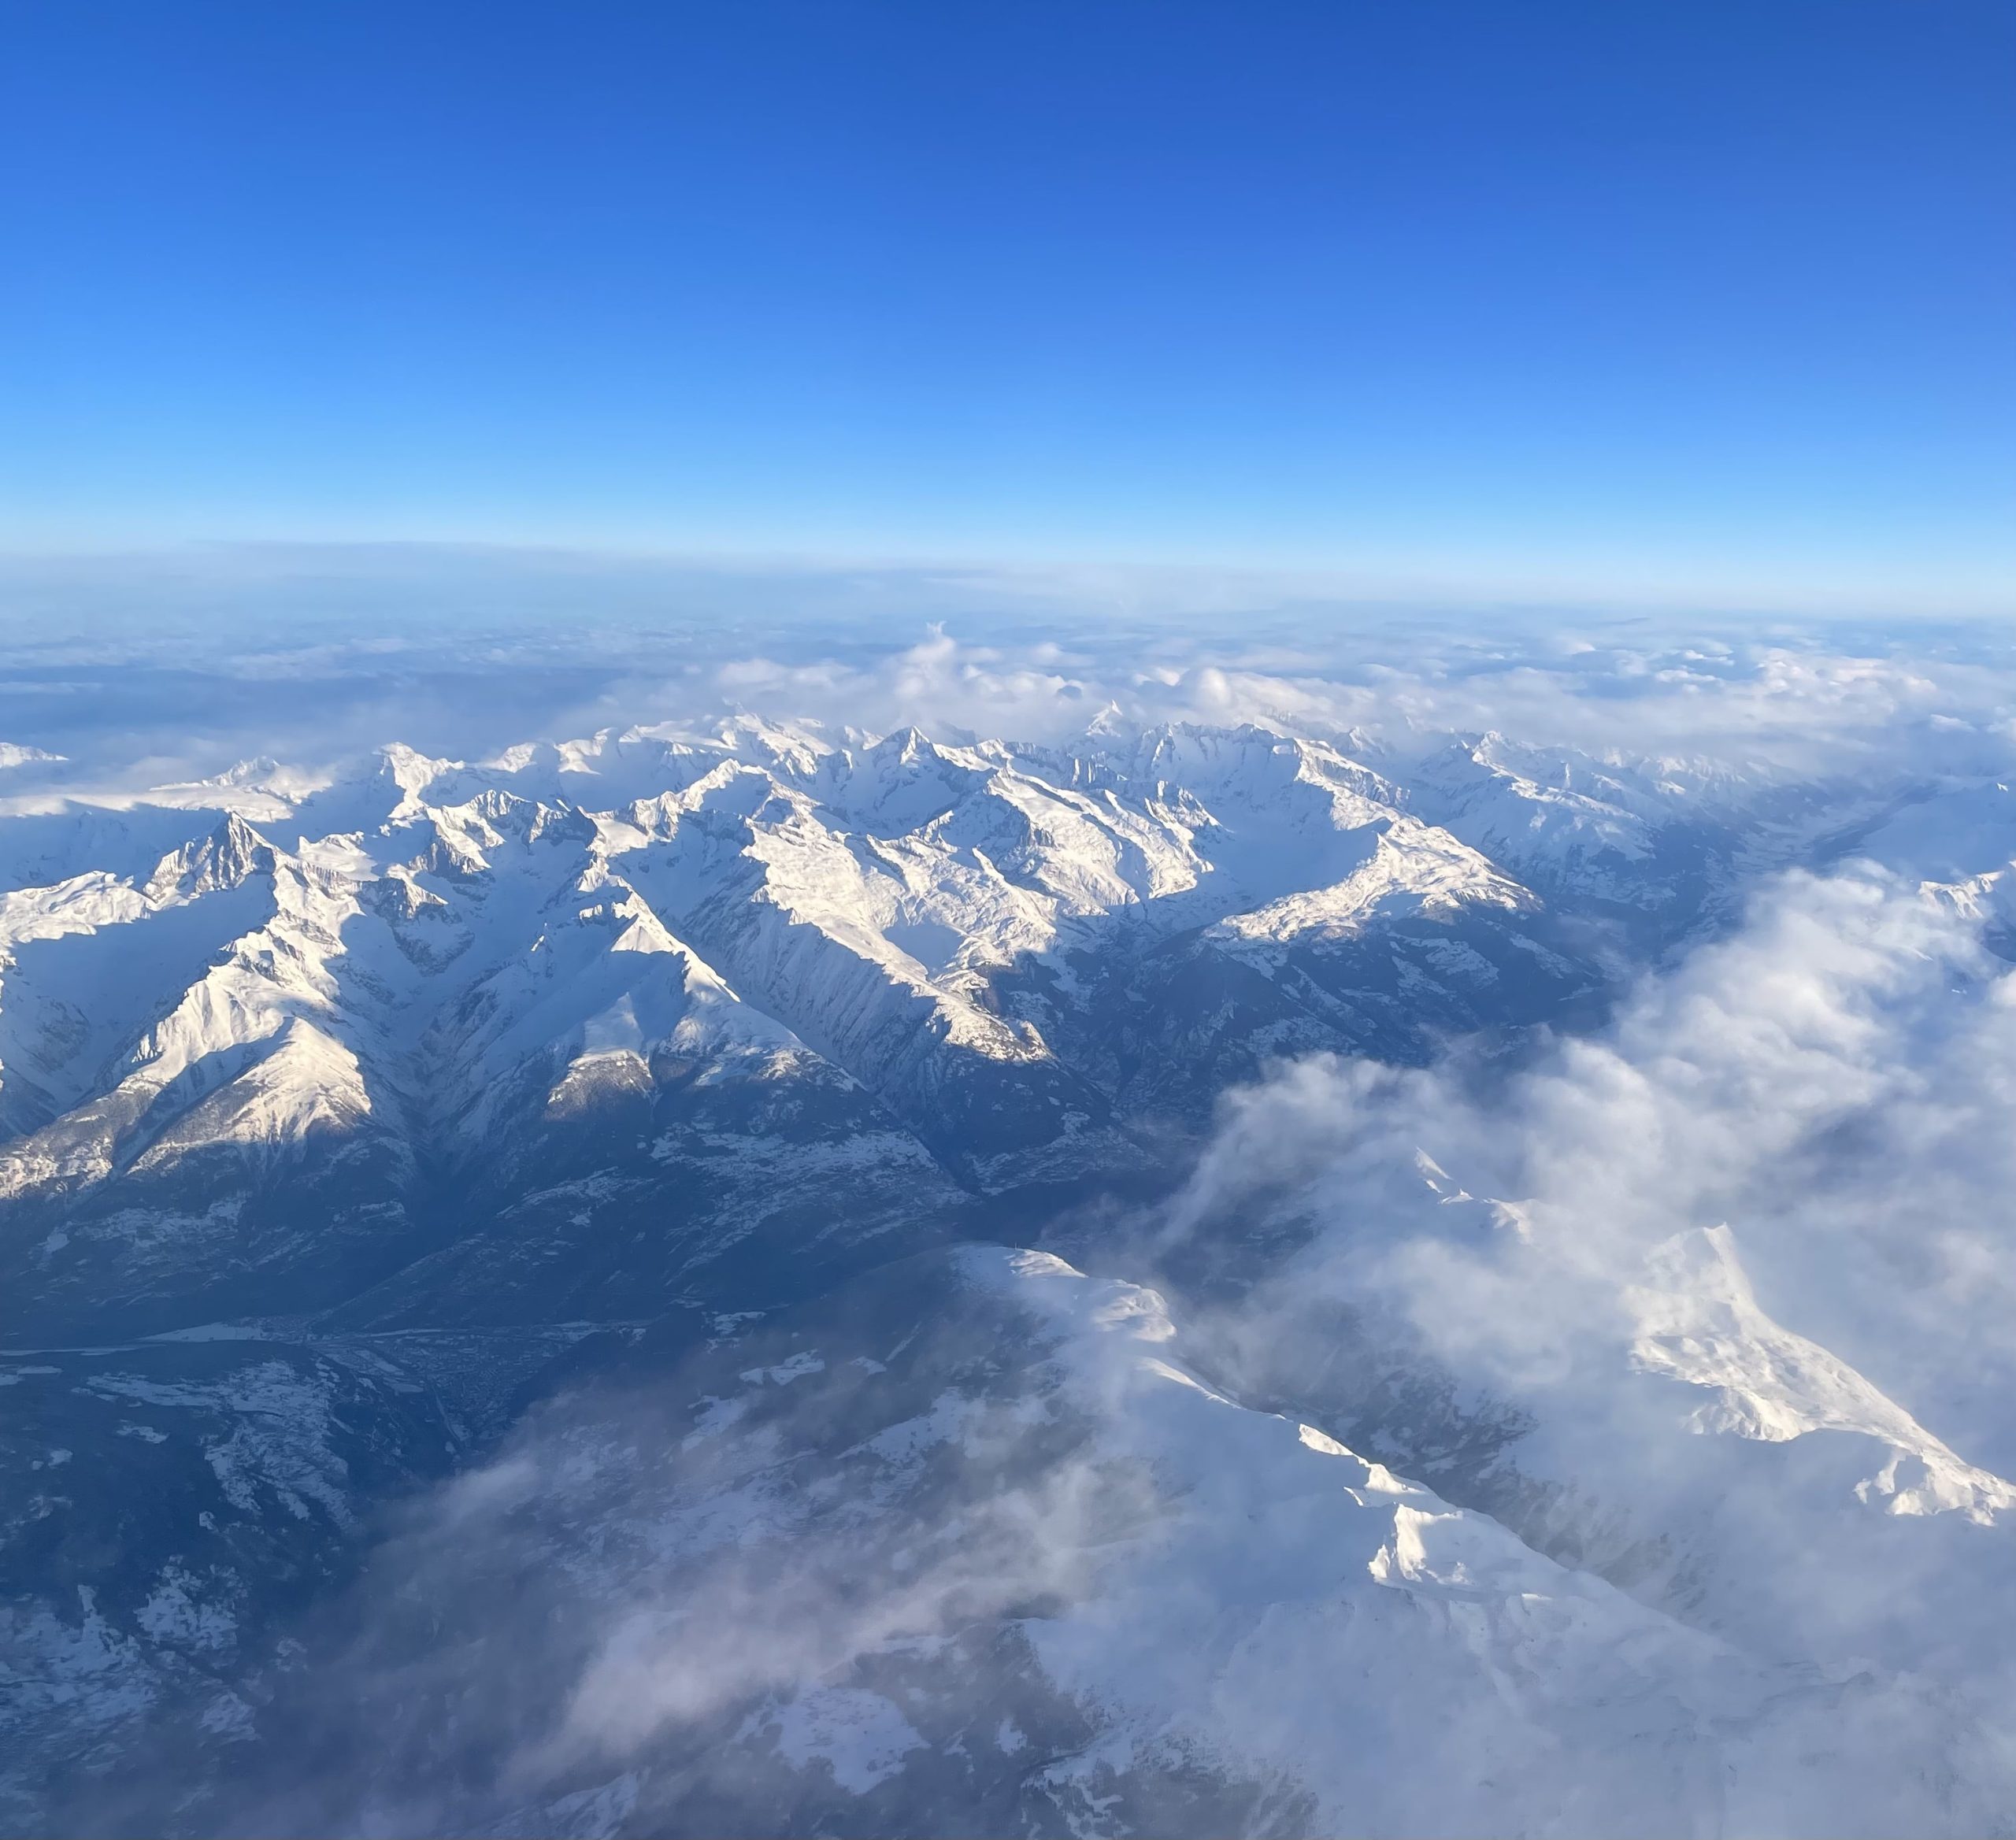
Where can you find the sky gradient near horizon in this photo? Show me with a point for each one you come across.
(1551, 296)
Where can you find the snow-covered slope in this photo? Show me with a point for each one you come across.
(967, 1546)
(384, 995)
(673, 1094)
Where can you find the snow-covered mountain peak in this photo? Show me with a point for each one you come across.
(1698, 1321)
(680, 1092)
(227, 858)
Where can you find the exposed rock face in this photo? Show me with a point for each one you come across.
(521, 1320)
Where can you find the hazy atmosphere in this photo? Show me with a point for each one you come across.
(1085, 922)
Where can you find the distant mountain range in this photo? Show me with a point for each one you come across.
(606, 1291)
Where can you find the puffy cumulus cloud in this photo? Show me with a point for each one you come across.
(309, 655)
(1820, 706)
(1037, 692)
(1847, 1003)
(1717, 1300)
(1817, 705)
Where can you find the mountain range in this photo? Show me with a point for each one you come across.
(692, 1280)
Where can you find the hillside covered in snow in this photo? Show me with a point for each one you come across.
(1270, 1258)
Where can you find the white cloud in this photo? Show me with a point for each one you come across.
(1816, 1106)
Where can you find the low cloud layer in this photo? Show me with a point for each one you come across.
(1719, 1297)
(1704, 1289)
(1808, 1104)
(170, 667)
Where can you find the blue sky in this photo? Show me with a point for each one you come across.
(1709, 298)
